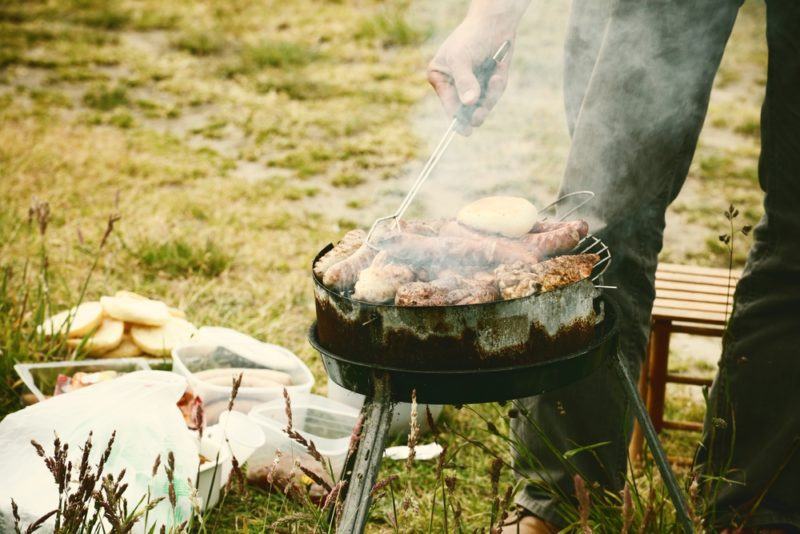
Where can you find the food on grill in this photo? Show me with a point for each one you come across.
(450, 290)
(448, 262)
(519, 280)
(105, 338)
(507, 216)
(429, 228)
(449, 251)
(343, 275)
(547, 226)
(558, 240)
(379, 281)
(345, 248)
(76, 322)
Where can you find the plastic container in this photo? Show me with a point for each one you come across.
(329, 424)
(212, 473)
(243, 435)
(40, 378)
(203, 354)
(401, 416)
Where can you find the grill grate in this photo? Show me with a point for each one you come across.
(591, 244)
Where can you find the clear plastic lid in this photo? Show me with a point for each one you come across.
(41, 378)
(327, 423)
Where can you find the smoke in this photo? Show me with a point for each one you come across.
(522, 147)
(628, 80)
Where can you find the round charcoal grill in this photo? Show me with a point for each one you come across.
(502, 333)
(466, 386)
(489, 352)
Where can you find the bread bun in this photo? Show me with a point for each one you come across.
(126, 349)
(507, 216)
(104, 339)
(76, 322)
(136, 309)
(159, 340)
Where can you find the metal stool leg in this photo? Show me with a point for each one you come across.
(675, 493)
(377, 411)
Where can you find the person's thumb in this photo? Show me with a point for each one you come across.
(469, 90)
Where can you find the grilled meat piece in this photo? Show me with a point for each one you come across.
(519, 280)
(379, 282)
(343, 275)
(557, 241)
(548, 226)
(345, 248)
(415, 226)
(452, 290)
(457, 251)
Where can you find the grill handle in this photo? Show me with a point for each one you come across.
(483, 73)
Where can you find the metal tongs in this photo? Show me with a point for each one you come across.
(483, 73)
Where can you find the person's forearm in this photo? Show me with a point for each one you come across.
(503, 15)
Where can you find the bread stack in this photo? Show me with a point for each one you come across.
(121, 326)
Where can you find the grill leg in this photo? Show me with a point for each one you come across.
(674, 490)
(377, 412)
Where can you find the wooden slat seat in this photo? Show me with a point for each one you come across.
(689, 299)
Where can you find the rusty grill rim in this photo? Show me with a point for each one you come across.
(599, 339)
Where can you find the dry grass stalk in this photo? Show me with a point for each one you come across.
(199, 418)
(382, 484)
(274, 466)
(296, 436)
(434, 428)
(238, 475)
(355, 436)
(157, 463)
(413, 432)
(40, 213)
(627, 510)
(170, 468)
(112, 219)
(584, 503)
(315, 477)
(82, 501)
(649, 511)
(504, 506)
(237, 383)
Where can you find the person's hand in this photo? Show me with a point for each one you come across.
(450, 72)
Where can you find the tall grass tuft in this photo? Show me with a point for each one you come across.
(389, 29)
(178, 258)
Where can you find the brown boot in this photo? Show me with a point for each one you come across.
(524, 522)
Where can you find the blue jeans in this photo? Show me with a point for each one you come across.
(638, 75)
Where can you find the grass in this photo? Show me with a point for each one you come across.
(105, 98)
(200, 42)
(390, 28)
(177, 258)
(127, 107)
(271, 54)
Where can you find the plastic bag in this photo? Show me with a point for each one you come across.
(141, 408)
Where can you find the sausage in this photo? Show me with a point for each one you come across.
(548, 226)
(343, 275)
(556, 241)
(345, 248)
